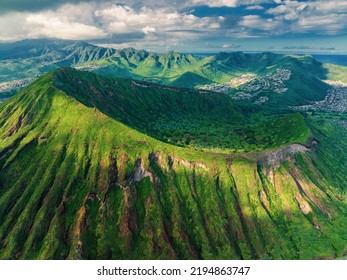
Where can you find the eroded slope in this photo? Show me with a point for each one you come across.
(77, 183)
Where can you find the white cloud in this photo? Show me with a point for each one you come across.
(12, 27)
(255, 7)
(330, 6)
(325, 23)
(159, 19)
(50, 25)
(215, 3)
(256, 22)
(152, 23)
(160, 22)
(231, 46)
(225, 3)
(148, 29)
(118, 27)
(66, 22)
(88, 21)
(289, 10)
(320, 17)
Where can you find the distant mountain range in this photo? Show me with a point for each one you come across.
(24, 60)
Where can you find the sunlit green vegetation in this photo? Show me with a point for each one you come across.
(84, 175)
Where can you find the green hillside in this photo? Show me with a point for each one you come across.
(30, 58)
(198, 119)
(336, 72)
(304, 85)
(277, 80)
(84, 175)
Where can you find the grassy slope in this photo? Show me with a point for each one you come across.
(70, 188)
(336, 72)
(198, 119)
(305, 84)
(189, 71)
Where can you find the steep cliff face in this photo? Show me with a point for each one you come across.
(76, 183)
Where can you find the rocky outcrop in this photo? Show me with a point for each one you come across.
(287, 153)
(176, 162)
(275, 158)
(141, 173)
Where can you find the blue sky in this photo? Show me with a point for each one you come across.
(183, 25)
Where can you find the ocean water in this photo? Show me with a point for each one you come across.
(331, 58)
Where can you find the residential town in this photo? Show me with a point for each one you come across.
(251, 85)
(270, 82)
(16, 84)
(335, 100)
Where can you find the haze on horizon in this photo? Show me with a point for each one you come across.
(183, 25)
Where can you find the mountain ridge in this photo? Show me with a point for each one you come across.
(99, 189)
(182, 70)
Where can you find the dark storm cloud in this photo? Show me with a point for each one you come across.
(35, 5)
